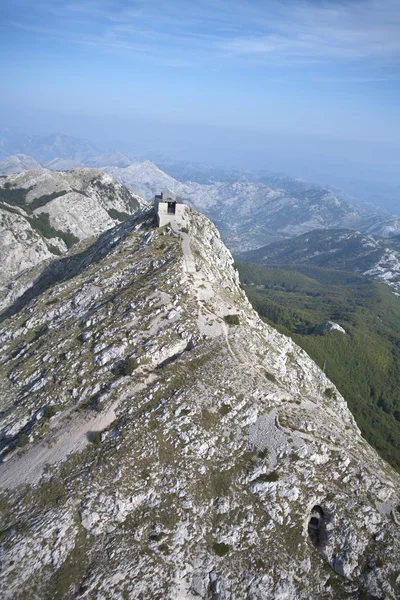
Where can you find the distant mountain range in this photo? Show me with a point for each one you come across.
(341, 249)
(45, 147)
(250, 208)
(251, 213)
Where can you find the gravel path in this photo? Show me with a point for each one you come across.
(72, 435)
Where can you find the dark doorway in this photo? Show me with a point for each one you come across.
(317, 526)
(171, 208)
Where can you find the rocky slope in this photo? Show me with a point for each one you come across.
(43, 213)
(222, 463)
(341, 249)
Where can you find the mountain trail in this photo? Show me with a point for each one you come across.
(70, 436)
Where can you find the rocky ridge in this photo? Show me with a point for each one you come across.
(43, 213)
(223, 463)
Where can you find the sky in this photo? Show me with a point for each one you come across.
(307, 87)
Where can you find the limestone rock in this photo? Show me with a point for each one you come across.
(214, 469)
(328, 326)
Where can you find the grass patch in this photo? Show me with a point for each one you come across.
(267, 477)
(225, 409)
(209, 419)
(68, 577)
(232, 319)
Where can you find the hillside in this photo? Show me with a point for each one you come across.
(346, 250)
(162, 441)
(43, 213)
(363, 363)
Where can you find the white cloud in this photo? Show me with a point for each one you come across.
(330, 31)
(366, 32)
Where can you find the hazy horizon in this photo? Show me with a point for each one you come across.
(305, 87)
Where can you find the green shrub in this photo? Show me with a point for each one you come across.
(270, 376)
(221, 549)
(262, 454)
(54, 249)
(128, 366)
(95, 437)
(16, 196)
(41, 224)
(364, 364)
(232, 319)
(50, 411)
(23, 440)
(43, 200)
(225, 409)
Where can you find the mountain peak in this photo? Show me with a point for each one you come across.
(215, 440)
(18, 163)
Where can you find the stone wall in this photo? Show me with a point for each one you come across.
(164, 217)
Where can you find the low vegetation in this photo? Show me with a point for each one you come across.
(41, 223)
(128, 366)
(232, 319)
(118, 215)
(221, 549)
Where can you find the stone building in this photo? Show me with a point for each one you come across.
(169, 208)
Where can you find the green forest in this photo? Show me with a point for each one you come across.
(364, 363)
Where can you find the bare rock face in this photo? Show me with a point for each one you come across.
(328, 326)
(43, 213)
(160, 441)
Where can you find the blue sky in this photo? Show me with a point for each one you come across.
(291, 85)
